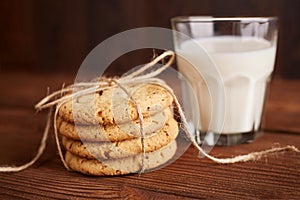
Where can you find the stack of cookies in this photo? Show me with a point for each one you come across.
(101, 131)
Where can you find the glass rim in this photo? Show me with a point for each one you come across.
(179, 19)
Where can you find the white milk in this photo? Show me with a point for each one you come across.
(245, 65)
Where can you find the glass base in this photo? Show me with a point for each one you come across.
(211, 138)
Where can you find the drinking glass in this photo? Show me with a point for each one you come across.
(235, 57)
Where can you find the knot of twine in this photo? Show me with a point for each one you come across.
(58, 98)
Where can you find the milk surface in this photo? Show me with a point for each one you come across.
(244, 65)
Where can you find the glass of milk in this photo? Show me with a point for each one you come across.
(227, 64)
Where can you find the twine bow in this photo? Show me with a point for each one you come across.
(142, 75)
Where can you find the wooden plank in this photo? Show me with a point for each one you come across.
(275, 176)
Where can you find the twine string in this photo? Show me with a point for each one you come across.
(141, 125)
(57, 142)
(236, 159)
(139, 76)
(40, 151)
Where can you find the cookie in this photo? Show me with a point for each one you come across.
(130, 130)
(132, 164)
(112, 105)
(125, 148)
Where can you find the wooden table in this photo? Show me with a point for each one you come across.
(274, 177)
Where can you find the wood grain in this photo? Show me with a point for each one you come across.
(56, 35)
(276, 176)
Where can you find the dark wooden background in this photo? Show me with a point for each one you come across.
(56, 35)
